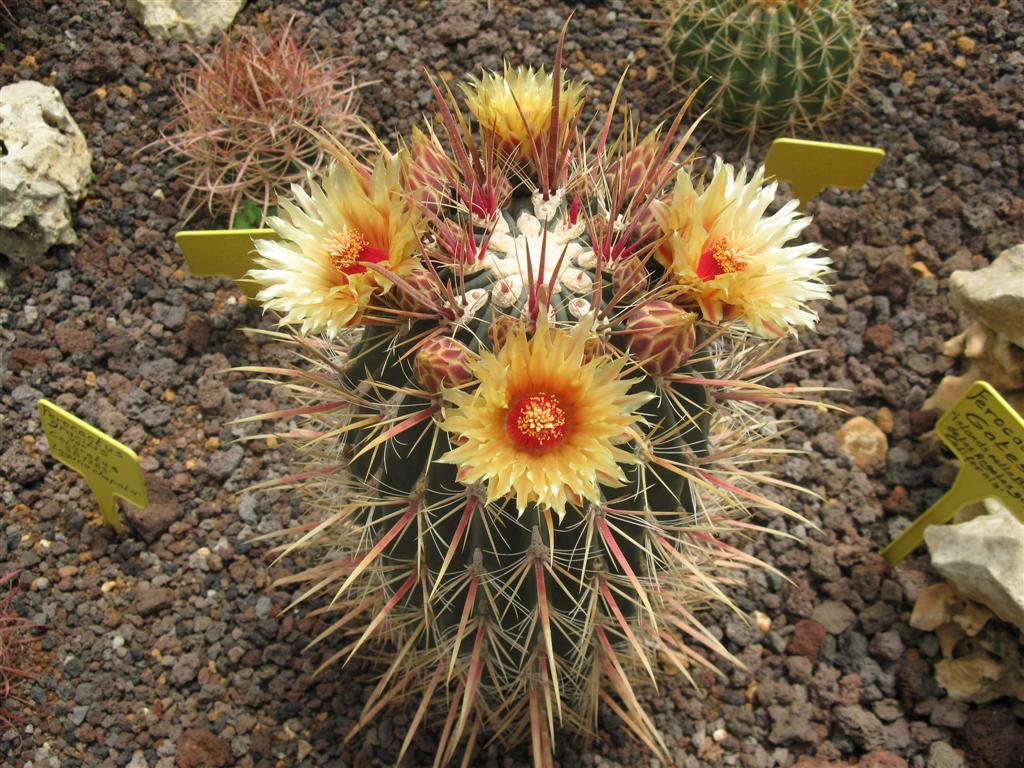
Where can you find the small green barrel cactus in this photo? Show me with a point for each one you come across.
(530, 408)
(775, 65)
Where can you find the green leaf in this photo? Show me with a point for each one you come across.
(250, 216)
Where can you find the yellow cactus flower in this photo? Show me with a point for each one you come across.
(731, 259)
(316, 276)
(516, 105)
(543, 426)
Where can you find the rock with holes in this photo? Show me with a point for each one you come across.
(992, 346)
(984, 559)
(191, 21)
(45, 166)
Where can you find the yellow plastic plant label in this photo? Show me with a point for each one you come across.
(987, 436)
(109, 467)
(227, 252)
(810, 166)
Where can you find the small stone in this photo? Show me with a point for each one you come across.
(994, 736)
(942, 755)
(864, 442)
(888, 645)
(980, 677)
(263, 606)
(965, 45)
(78, 714)
(152, 600)
(948, 714)
(73, 340)
(211, 392)
(222, 463)
(157, 516)
(810, 761)
(198, 748)
(884, 420)
(185, 669)
(762, 621)
(835, 616)
(807, 638)
(861, 725)
(171, 318)
(20, 466)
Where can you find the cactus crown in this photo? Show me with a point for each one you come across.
(776, 65)
(534, 366)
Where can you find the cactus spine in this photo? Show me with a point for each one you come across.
(769, 64)
(525, 445)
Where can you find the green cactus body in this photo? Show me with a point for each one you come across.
(524, 463)
(505, 600)
(769, 64)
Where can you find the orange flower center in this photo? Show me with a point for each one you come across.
(349, 251)
(536, 422)
(719, 258)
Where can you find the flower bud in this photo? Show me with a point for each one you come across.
(442, 362)
(661, 336)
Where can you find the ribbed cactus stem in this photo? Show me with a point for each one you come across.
(768, 64)
(511, 457)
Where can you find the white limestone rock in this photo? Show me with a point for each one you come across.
(46, 165)
(994, 296)
(984, 559)
(992, 299)
(191, 21)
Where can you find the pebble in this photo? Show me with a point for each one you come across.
(834, 616)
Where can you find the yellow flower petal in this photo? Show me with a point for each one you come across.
(599, 410)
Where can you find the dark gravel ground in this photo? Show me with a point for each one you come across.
(163, 648)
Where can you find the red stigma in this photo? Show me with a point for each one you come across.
(536, 422)
(718, 258)
(349, 252)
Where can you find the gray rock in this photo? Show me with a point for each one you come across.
(984, 559)
(211, 392)
(888, 645)
(941, 755)
(186, 20)
(861, 726)
(160, 371)
(78, 714)
(791, 723)
(247, 508)
(185, 669)
(994, 295)
(223, 463)
(155, 416)
(25, 398)
(20, 466)
(157, 516)
(948, 713)
(45, 167)
(263, 606)
(171, 318)
(835, 616)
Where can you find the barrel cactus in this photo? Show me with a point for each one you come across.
(776, 65)
(530, 407)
